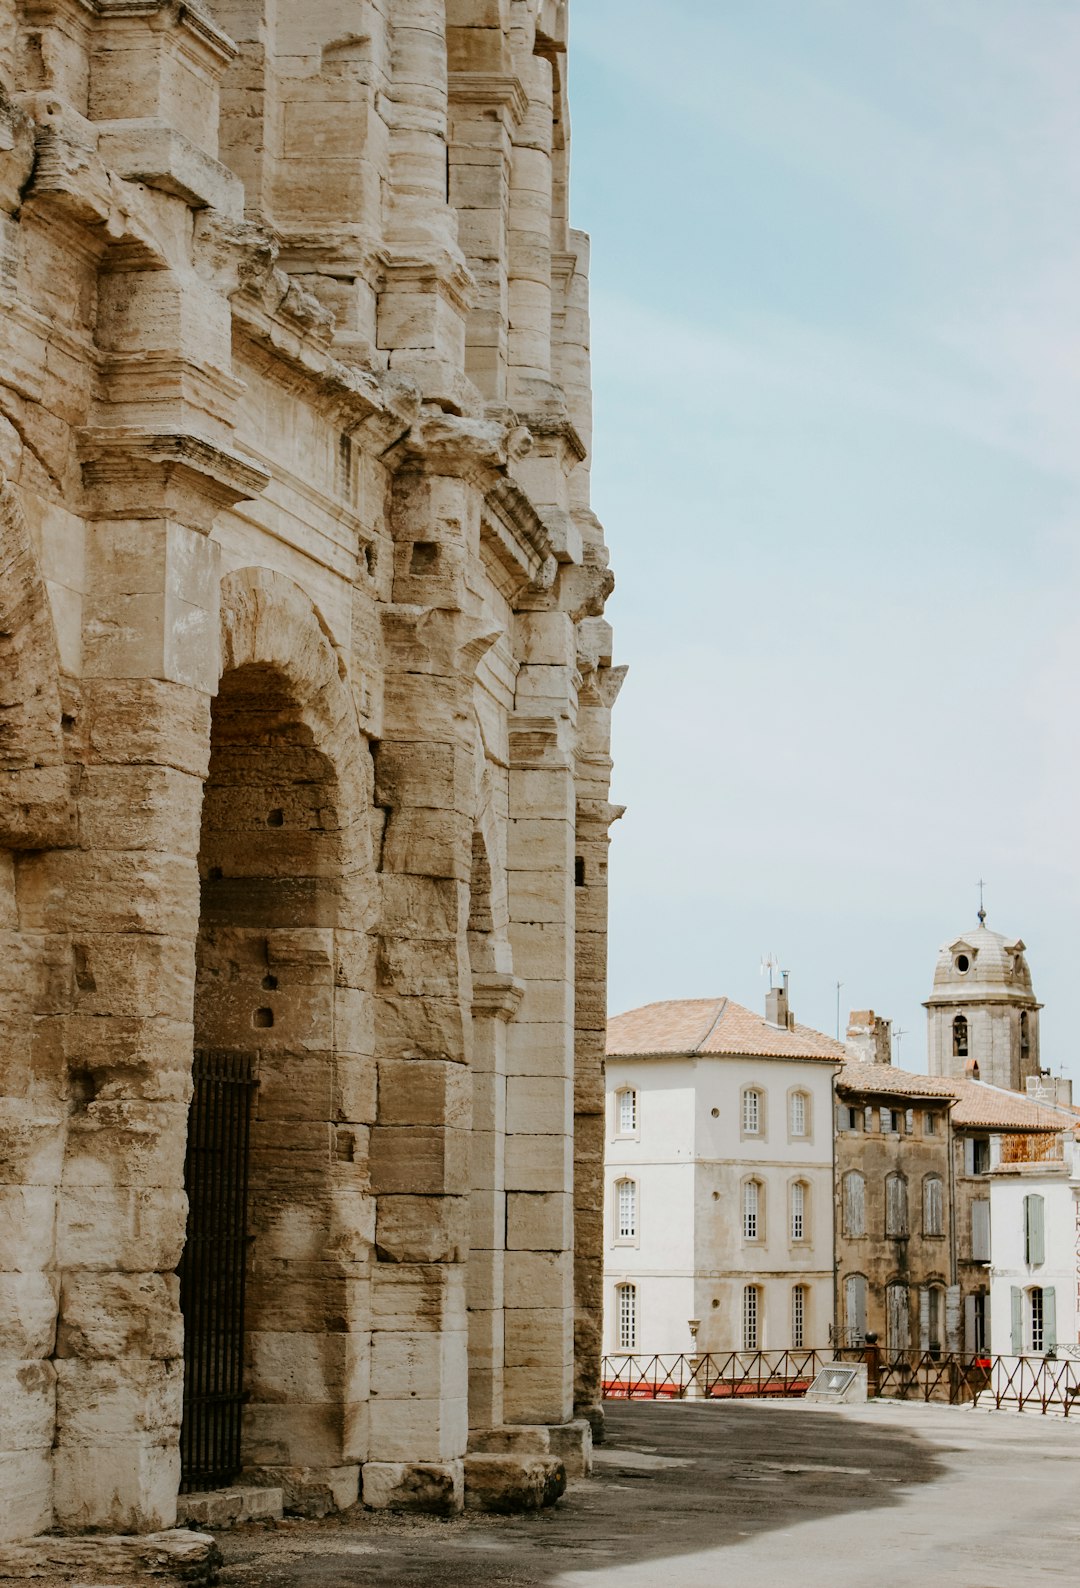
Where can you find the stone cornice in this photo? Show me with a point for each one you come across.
(497, 994)
(131, 473)
(553, 424)
(489, 88)
(183, 14)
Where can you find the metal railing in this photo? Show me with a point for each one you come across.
(1044, 1384)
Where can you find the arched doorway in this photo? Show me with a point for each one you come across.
(269, 1292)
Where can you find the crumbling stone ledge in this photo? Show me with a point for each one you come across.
(176, 1556)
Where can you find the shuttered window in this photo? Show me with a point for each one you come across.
(1034, 1232)
(626, 1193)
(855, 1308)
(980, 1230)
(751, 1211)
(887, 1122)
(896, 1205)
(626, 1316)
(854, 1203)
(897, 1318)
(933, 1206)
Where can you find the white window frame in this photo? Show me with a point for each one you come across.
(752, 1107)
(751, 1318)
(800, 1296)
(626, 1198)
(626, 1337)
(1036, 1319)
(799, 1102)
(622, 1130)
(752, 1211)
(799, 1212)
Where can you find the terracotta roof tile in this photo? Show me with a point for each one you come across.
(713, 1026)
(976, 1102)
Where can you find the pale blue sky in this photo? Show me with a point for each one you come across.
(836, 319)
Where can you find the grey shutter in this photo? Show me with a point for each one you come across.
(909, 1120)
(980, 1230)
(1034, 1231)
(969, 1155)
(924, 1318)
(868, 1119)
(854, 1204)
(1049, 1318)
(1017, 1296)
(969, 1323)
(842, 1116)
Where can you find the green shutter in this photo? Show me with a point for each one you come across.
(1049, 1318)
(1034, 1233)
(1017, 1321)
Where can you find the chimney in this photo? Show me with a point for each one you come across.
(869, 1037)
(777, 1012)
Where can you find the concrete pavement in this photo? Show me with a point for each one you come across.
(744, 1495)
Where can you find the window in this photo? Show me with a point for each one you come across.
(800, 1111)
(798, 1317)
(626, 1106)
(960, 1037)
(909, 1121)
(751, 1211)
(930, 1123)
(855, 1308)
(798, 1211)
(980, 1230)
(626, 1316)
(1025, 1035)
(963, 964)
(625, 1210)
(751, 1318)
(1034, 1320)
(1037, 1330)
(980, 1155)
(854, 1203)
(751, 1112)
(931, 1318)
(897, 1318)
(978, 1334)
(888, 1123)
(933, 1206)
(896, 1205)
(1034, 1231)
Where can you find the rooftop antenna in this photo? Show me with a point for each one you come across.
(838, 987)
(898, 1036)
(982, 908)
(770, 963)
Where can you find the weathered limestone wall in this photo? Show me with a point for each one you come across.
(304, 749)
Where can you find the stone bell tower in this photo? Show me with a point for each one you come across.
(983, 1018)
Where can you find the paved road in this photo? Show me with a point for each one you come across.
(747, 1495)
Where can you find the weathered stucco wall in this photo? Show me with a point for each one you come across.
(303, 737)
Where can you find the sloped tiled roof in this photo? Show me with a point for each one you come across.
(976, 1103)
(713, 1026)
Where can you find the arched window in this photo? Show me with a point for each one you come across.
(625, 1210)
(932, 1319)
(855, 1308)
(854, 1203)
(752, 1212)
(1025, 1035)
(933, 1206)
(626, 1111)
(799, 1199)
(798, 1316)
(960, 1037)
(753, 1112)
(626, 1316)
(751, 1318)
(896, 1205)
(799, 1114)
(897, 1318)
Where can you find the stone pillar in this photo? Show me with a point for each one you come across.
(496, 997)
(529, 287)
(129, 896)
(539, 1118)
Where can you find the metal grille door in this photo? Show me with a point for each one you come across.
(212, 1268)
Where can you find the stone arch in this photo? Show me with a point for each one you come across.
(35, 805)
(282, 986)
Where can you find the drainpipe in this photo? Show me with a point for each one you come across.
(835, 1217)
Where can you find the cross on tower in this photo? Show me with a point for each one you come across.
(982, 910)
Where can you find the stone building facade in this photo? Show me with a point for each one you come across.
(303, 746)
(982, 1015)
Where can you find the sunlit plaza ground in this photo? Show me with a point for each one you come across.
(741, 1495)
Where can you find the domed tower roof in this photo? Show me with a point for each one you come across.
(981, 966)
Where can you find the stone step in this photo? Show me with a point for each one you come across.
(218, 1508)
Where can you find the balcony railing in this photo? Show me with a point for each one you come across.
(1036, 1383)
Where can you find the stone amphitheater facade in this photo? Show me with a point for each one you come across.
(305, 690)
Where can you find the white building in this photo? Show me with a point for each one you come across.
(1035, 1245)
(718, 1179)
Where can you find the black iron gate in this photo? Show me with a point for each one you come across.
(212, 1268)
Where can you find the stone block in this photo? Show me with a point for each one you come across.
(533, 1275)
(539, 1163)
(414, 1296)
(27, 1227)
(291, 1434)
(222, 1508)
(98, 1401)
(27, 1315)
(419, 1160)
(424, 1092)
(124, 1483)
(422, 1229)
(538, 1103)
(539, 1221)
(107, 1316)
(26, 1483)
(437, 1488)
(421, 1430)
(511, 1484)
(103, 1227)
(27, 1405)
